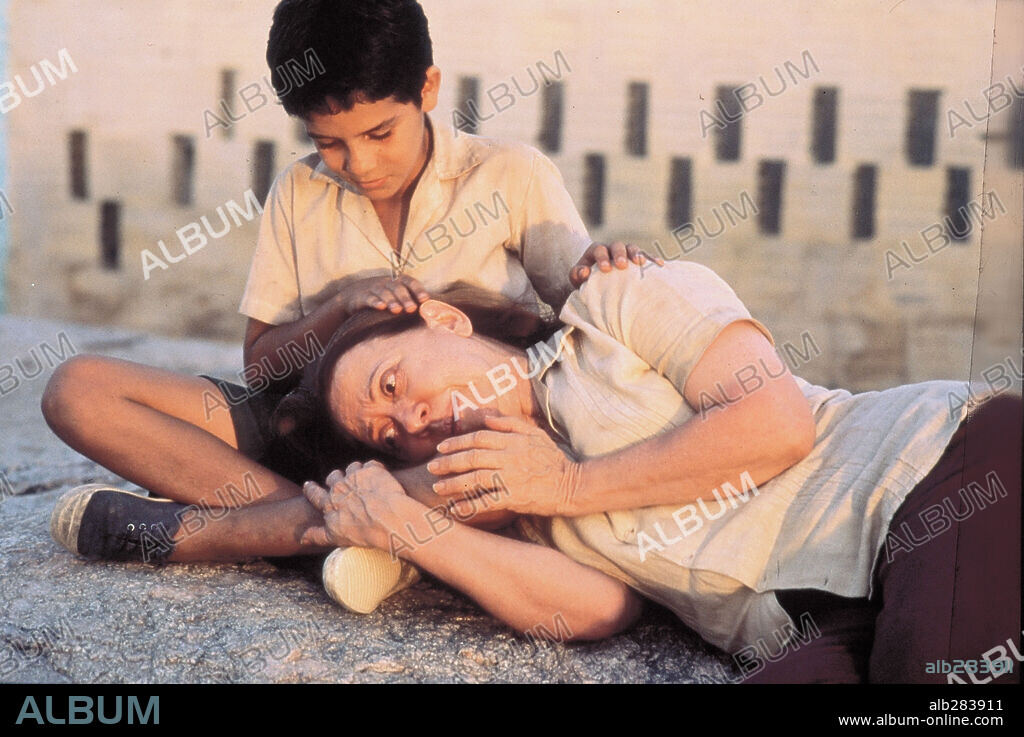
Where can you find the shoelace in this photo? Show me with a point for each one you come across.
(130, 542)
(127, 540)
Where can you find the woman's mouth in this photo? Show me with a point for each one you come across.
(451, 426)
(443, 429)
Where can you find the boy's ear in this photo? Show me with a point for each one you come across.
(438, 314)
(431, 88)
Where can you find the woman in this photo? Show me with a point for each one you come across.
(631, 443)
(667, 391)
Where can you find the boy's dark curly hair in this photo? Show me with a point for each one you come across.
(369, 50)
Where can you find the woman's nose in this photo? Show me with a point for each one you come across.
(415, 417)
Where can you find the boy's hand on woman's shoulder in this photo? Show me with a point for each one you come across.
(603, 257)
(398, 294)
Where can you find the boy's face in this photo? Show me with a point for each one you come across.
(381, 147)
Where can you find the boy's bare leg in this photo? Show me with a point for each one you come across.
(156, 429)
(256, 530)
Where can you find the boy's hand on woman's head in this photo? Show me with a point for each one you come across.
(399, 294)
(602, 256)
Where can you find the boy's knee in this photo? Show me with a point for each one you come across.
(69, 389)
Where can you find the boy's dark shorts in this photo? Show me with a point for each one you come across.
(251, 413)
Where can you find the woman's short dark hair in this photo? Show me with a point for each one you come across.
(303, 417)
(368, 50)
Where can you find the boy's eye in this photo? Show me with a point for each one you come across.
(379, 136)
(390, 438)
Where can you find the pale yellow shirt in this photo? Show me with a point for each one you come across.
(494, 214)
(820, 524)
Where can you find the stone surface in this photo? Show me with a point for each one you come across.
(63, 619)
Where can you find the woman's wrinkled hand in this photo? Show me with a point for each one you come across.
(362, 507)
(512, 466)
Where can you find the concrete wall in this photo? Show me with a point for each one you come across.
(147, 71)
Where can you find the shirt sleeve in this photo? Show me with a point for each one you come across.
(548, 233)
(272, 291)
(667, 316)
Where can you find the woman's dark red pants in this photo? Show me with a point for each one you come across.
(947, 584)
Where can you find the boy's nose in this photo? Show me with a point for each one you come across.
(360, 165)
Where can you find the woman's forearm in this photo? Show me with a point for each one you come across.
(753, 440)
(523, 584)
(418, 484)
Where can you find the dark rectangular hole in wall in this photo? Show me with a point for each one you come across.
(593, 189)
(770, 178)
(1015, 153)
(727, 139)
(958, 193)
(680, 192)
(823, 143)
(263, 173)
(636, 119)
(110, 234)
(79, 172)
(922, 113)
(552, 110)
(184, 169)
(864, 179)
(227, 97)
(468, 105)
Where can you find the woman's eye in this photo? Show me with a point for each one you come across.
(388, 384)
(390, 438)
(379, 136)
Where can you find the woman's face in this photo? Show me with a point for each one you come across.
(395, 393)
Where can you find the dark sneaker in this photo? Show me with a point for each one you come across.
(101, 522)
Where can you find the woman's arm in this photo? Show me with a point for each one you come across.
(418, 483)
(525, 585)
(754, 425)
(522, 584)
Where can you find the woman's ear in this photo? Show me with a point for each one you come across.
(438, 314)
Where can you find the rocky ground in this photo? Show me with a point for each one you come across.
(63, 619)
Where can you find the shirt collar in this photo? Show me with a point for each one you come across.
(454, 153)
(543, 392)
(565, 331)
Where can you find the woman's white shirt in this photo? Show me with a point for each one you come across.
(634, 338)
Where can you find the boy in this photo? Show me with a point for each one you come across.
(391, 207)
(403, 196)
